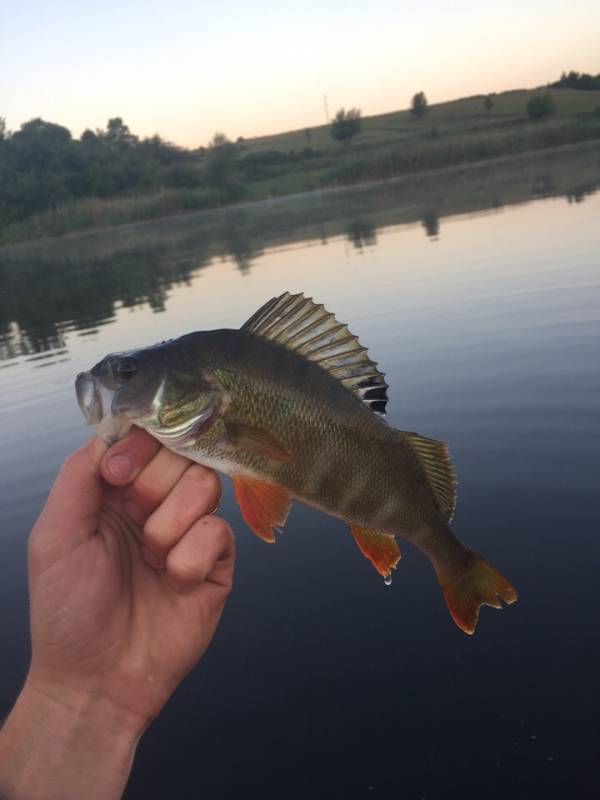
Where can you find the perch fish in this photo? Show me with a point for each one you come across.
(291, 407)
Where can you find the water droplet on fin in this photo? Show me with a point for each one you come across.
(388, 579)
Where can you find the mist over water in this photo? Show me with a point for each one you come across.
(478, 293)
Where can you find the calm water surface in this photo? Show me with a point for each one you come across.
(321, 681)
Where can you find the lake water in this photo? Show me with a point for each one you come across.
(478, 292)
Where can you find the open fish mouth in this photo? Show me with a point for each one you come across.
(95, 402)
(89, 397)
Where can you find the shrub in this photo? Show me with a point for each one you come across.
(418, 106)
(346, 124)
(540, 106)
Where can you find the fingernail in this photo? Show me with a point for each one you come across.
(119, 466)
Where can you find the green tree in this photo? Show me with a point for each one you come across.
(577, 80)
(221, 167)
(346, 124)
(219, 139)
(89, 137)
(540, 106)
(418, 105)
(40, 153)
(119, 133)
(42, 166)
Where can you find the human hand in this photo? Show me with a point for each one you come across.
(129, 573)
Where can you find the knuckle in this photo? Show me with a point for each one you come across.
(203, 479)
(145, 492)
(222, 531)
(185, 572)
(154, 534)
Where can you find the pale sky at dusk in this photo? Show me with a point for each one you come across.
(187, 69)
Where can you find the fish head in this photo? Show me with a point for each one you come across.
(159, 388)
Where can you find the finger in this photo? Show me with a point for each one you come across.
(153, 484)
(203, 558)
(70, 514)
(195, 494)
(128, 457)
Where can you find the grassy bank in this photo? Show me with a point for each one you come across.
(389, 145)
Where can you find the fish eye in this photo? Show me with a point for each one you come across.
(125, 368)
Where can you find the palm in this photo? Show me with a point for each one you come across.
(108, 622)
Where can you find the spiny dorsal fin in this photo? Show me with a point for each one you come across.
(435, 460)
(298, 323)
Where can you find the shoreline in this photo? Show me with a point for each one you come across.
(348, 188)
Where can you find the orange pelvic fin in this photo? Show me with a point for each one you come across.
(264, 505)
(379, 547)
(257, 440)
(478, 584)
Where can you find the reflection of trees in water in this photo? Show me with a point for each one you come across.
(543, 185)
(579, 193)
(431, 222)
(44, 295)
(77, 283)
(237, 243)
(41, 300)
(15, 341)
(361, 233)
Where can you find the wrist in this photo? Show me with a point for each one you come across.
(58, 743)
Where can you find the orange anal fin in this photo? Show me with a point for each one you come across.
(379, 547)
(264, 505)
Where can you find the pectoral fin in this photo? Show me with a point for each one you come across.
(257, 440)
(264, 506)
(379, 547)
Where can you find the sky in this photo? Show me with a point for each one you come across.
(188, 69)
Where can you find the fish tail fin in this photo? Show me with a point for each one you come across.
(477, 583)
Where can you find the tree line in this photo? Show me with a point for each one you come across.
(577, 80)
(43, 166)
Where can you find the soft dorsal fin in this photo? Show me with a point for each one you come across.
(298, 323)
(435, 460)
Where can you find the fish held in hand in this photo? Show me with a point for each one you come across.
(291, 406)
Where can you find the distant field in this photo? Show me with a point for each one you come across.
(452, 117)
(389, 145)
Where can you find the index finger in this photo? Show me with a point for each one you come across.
(127, 458)
(70, 513)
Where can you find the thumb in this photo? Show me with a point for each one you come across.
(70, 514)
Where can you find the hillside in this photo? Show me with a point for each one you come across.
(454, 116)
(162, 180)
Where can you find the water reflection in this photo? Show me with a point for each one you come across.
(235, 244)
(431, 223)
(579, 193)
(79, 282)
(361, 234)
